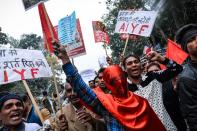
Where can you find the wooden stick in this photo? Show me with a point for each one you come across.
(72, 60)
(52, 68)
(105, 48)
(33, 100)
(125, 45)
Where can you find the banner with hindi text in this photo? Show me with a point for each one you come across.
(21, 64)
(136, 22)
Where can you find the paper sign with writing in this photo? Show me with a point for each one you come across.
(136, 22)
(20, 64)
(67, 29)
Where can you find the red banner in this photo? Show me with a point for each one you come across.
(100, 34)
(49, 33)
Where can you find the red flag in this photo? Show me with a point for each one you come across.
(100, 33)
(146, 50)
(49, 33)
(175, 52)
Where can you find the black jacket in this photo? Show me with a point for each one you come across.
(187, 89)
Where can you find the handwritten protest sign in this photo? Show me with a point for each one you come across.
(21, 64)
(31, 3)
(136, 22)
(67, 29)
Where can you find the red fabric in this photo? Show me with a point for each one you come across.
(130, 110)
(124, 36)
(163, 67)
(100, 33)
(175, 52)
(48, 37)
(146, 50)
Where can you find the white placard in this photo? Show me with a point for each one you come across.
(88, 75)
(20, 64)
(136, 22)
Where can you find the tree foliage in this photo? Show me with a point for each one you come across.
(116, 44)
(3, 38)
(171, 16)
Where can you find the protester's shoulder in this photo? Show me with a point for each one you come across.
(32, 126)
(187, 72)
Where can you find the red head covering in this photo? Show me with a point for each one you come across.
(130, 110)
(115, 81)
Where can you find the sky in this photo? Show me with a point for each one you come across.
(15, 21)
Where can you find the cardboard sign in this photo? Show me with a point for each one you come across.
(67, 29)
(21, 64)
(78, 48)
(28, 4)
(136, 22)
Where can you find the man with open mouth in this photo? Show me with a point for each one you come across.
(11, 110)
(75, 116)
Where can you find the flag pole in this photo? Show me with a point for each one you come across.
(33, 100)
(122, 55)
(125, 45)
(72, 60)
(52, 67)
(105, 48)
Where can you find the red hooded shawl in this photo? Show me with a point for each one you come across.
(130, 110)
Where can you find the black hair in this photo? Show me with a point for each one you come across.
(68, 80)
(95, 79)
(184, 34)
(62, 86)
(153, 64)
(24, 96)
(90, 81)
(101, 70)
(130, 55)
(44, 93)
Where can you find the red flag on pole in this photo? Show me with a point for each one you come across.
(175, 52)
(49, 33)
(100, 34)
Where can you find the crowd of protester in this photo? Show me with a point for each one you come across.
(130, 96)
